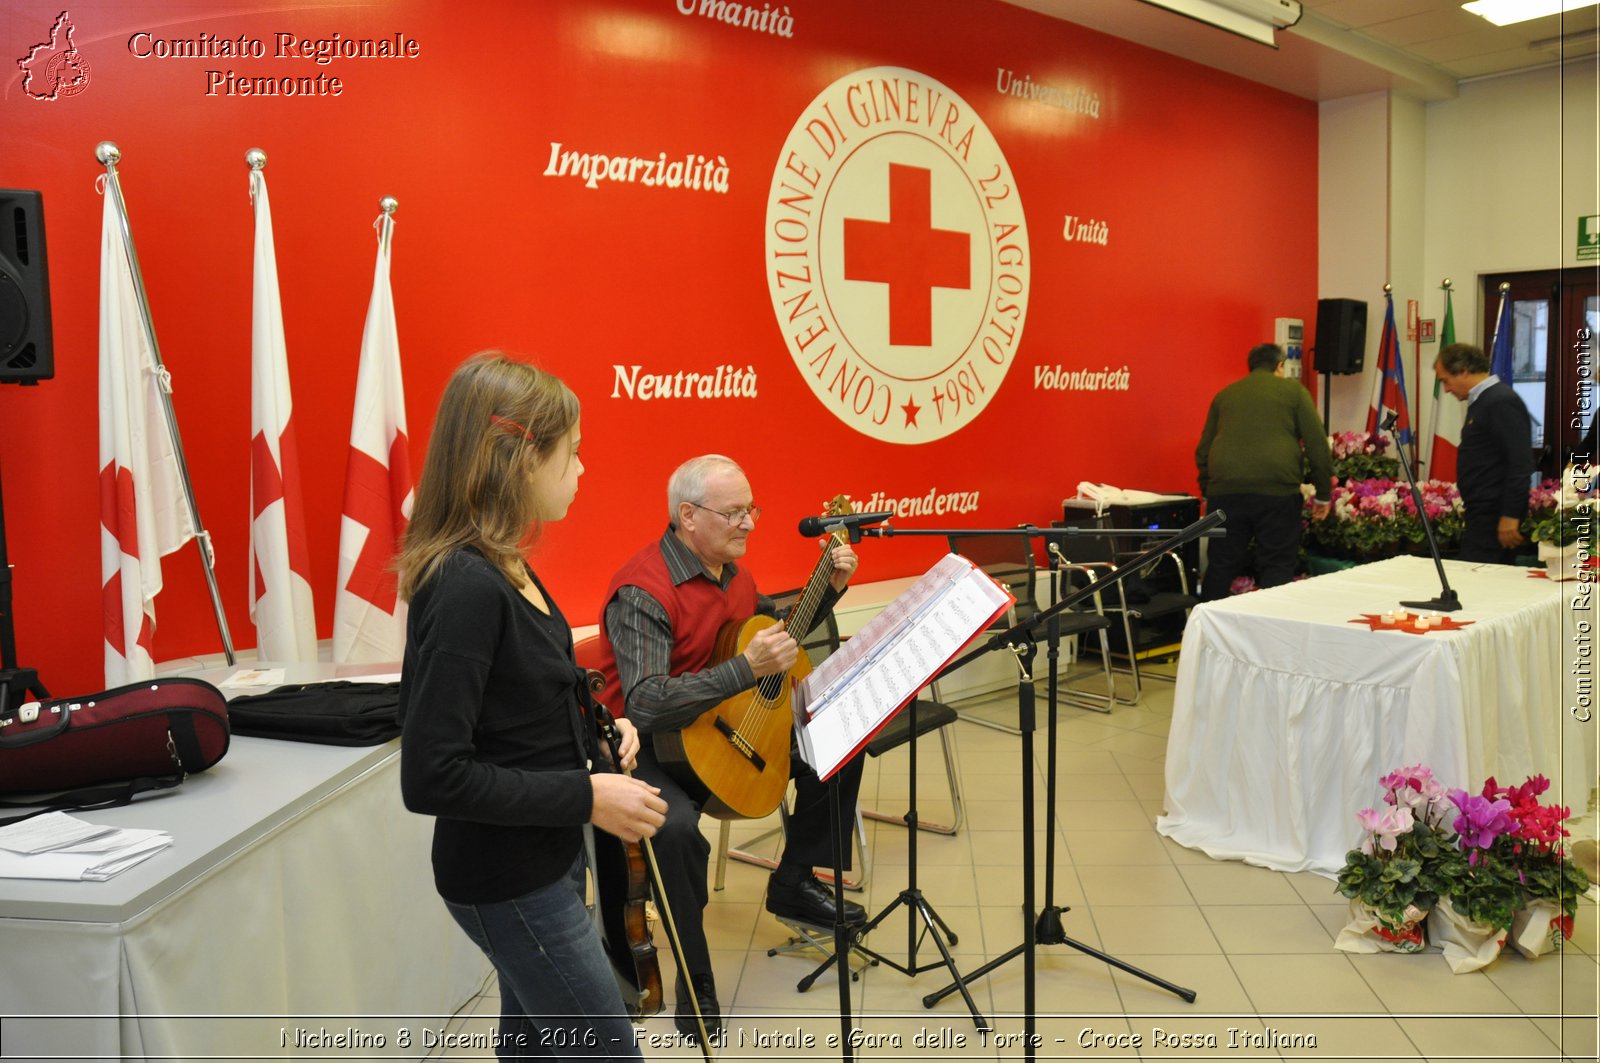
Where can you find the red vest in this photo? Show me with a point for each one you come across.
(697, 608)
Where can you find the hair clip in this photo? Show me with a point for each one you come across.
(513, 428)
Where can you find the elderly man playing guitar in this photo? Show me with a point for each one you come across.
(693, 658)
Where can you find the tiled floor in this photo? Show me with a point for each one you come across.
(1256, 945)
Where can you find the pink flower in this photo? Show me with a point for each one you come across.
(1384, 828)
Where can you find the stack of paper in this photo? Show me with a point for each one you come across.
(56, 845)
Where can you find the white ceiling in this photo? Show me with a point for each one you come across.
(1419, 48)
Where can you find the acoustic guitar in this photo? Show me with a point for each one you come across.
(736, 754)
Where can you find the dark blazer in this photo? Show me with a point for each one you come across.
(1495, 462)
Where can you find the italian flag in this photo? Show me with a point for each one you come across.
(1449, 413)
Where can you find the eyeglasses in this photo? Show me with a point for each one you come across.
(735, 517)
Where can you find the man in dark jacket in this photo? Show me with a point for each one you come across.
(1494, 465)
(1250, 462)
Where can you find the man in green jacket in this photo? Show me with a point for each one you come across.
(1250, 462)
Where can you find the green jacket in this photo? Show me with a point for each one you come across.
(1253, 437)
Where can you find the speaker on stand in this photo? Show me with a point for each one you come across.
(27, 356)
(1341, 343)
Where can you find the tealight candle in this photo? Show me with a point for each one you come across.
(1401, 615)
(1388, 618)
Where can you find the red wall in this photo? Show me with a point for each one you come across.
(1207, 185)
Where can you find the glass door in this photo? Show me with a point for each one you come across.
(1554, 317)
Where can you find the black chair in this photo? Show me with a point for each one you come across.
(1009, 561)
(1147, 604)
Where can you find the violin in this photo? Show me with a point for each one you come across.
(622, 885)
(642, 873)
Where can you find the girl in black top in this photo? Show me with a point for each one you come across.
(496, 743)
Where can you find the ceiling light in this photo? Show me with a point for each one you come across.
(1255, 19)
(1506, 12)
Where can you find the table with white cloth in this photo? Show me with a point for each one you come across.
(1286, 713)
(295, 907)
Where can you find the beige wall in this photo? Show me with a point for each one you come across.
(1490, 181)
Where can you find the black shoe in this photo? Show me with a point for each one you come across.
(809, 901)
(705, 991)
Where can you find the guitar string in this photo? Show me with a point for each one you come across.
(769, 689)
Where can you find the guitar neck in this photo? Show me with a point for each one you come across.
(804, 613)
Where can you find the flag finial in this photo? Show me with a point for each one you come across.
(107, 153)
(1445, 284)
(256, 159)
(388, 204)
(1505, 286)
(1387, 288)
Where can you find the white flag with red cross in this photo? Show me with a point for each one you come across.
(280, 570)
(368, 617)
(144, 512)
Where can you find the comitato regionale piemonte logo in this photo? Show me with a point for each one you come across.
(897, 255)
(54, 68)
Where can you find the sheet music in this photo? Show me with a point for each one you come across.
(852, 694)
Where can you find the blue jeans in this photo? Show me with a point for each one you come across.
(558, 995)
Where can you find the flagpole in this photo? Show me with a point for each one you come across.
(1499, 315)
(108, 154)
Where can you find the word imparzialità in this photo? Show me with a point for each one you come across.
(694, 172)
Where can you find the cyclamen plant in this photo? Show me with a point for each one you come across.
(1533, 846)
(1513, 854)
(1359, 456)
(1394, 870)
(1379, 516)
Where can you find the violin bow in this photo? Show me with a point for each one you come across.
(608, 730)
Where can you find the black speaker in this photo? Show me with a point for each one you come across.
(27, 352)
(1341, 335)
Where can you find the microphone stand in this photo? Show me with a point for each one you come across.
(1448, 601)
(1019, 640)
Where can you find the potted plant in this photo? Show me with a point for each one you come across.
(1376, 518)
(1547, 880)
(1558, 520)
(1360, 456)
(1392, 880)
(1479, 894)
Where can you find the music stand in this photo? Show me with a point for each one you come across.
(1019, 640)
(917, 906)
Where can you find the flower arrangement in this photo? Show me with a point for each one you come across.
(1558, 515)
(1479, 865)
(1530, 847)
(1377, 517)
(1360, 456)
(1395, 871)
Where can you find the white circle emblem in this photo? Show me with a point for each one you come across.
(897, 255)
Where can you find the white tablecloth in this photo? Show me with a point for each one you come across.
(1286, 715)
(297, 898)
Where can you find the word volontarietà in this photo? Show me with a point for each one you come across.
(320, 51)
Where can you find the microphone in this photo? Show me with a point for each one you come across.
(811, 527)
(1389, 420)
